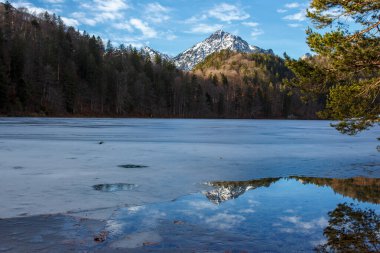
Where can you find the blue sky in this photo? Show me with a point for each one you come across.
(171, 26)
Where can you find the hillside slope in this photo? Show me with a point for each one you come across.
(256, 86)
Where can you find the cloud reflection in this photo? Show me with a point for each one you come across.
(238, 215)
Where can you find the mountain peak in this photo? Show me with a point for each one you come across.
(219, 32)
(153, 53)
(219, 40)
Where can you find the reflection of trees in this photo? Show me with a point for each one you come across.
(360, 188)
(352, 229)
(233, 189)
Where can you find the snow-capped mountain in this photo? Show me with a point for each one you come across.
(152, 53)
(224, 191)
(216, 42)
(306, 56)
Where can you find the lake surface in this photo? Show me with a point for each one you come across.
(189, 185)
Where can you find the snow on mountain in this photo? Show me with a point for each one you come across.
(218, 41)
(152, 53)
(306, 56)
(226, 192)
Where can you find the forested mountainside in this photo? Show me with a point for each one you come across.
(256, 84)
(47, 68)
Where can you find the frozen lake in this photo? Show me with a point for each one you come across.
(102, 169)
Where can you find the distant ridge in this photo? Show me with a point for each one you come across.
(153, 53)
(216, 42)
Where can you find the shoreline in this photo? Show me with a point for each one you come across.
(87, 116)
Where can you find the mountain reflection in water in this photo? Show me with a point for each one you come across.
(360, 188)
(294, 214)
(233, 189)
(301, 213)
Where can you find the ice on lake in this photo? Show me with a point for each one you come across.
(51, 165)
(103, 168)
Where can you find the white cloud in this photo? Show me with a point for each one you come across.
(106, 6)
(170, 35)
(134, 41)
(156, 7)
(292, 5)
(255, 33)
(299, 16)
(195, 19)
(201, 205)
(135, 209)
(306, 225)
(146, 30)
(54, 1)
(81, 16)
(224, 220)
(227, 13)
(100, 11)
(281, 10)
(223, 12)
(247, 211)
(123, 26)
(31, 8)
(156, 13)
(294, 25)
(334, 13)
(250, 24)
(205, 28)
(104, 16)
(287, 230)
(70, 21)
(253, 203)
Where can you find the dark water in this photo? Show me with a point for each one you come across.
(267, 215)
(294, 214)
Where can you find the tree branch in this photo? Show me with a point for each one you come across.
(365, 30)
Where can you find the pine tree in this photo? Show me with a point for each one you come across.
(347, 65)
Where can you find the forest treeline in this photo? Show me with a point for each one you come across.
(47, 68)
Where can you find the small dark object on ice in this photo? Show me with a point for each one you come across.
(132, 166)
(150, 243)
(178, 222)
(378, 148)
(101, 237)
(101, 142)
(114, 187)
